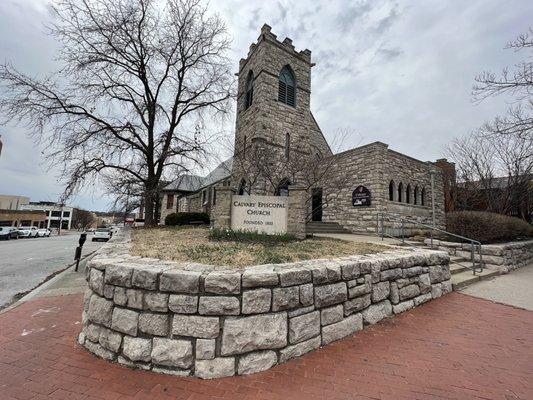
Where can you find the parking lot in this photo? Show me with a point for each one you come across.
(24, 263)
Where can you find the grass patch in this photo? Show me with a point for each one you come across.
(194, 244)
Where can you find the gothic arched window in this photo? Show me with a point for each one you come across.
(408, 194)
(423, 197)
(400, 192)
(416, 195)
(249, 90)
(391, 190)
(287, 87)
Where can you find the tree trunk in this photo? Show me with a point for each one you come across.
(149, 219)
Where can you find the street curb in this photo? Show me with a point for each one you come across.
(32, 293)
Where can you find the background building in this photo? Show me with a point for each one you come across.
(8, 202)
(56, 214)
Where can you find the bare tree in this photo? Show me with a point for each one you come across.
(495, 173)
(517, 83)
(138, 79)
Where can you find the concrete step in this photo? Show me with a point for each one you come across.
(325, 227)
(456, 268)
(458, 259)
(466, 278)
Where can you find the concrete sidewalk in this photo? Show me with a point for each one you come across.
(514, 288)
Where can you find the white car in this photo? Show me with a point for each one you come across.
(43, 232)
(101, 234)
(28, 231)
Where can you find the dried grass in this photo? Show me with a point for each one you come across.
(193, 244)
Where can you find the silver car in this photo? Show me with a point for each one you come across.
(27, 231)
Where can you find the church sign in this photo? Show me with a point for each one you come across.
(263, 214)
(361, 197)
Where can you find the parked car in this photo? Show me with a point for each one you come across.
(27, 231)
(90, 230)
(101, 234)
(8, 232)
(43, 232)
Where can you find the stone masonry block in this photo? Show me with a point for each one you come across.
(304, 327)
(155, 301)
(256, 301)
(380, 291)
(145, 278)
(251, 279)
(125, 321)
(205, 349)
(180, 281)
(219, 305)
(183, 303)
(285, 298)
(257, 362)
(306, 294)
(96, 281)
(339, 330)
(299, 349)
(100, 310)
(330, 294)
(118, 275)
(172, 353)
(137, 349)
(154, 324)
(223, 283)
(331, 315)
(195, 326)
(219, 367)
(376, 312)
(290, 277)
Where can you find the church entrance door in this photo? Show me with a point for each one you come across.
(316, 204)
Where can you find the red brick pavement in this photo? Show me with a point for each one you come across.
(457, 347)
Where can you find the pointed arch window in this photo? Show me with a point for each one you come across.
(287, 87)
(408, 194)
(400, 192)
(415, 197)
(423, 197)
(249, 90)
(391, 191)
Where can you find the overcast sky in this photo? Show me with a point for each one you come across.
(400, 72)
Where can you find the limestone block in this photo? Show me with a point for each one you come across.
(118, 275)
(256, 362)
(96, 281)
(155, 301)
(413, 271)
(306, 294)
(93, 332)
(98, 350)
(326, 273)
(172, 352)
(125, 321)
(195, 326)
(145, 278)
(256, 301)
(331, 315)
(376, 312)
(403, 306)
(180, 281)
(380, 291)
(183, 304)
(304, 327)
(339, 330)
(109, 291)
(408, 292)
(300, 311)
(135, 298)
(290, 277)
(217, 368)
(350, 270)
(360, 290)
(391, 274)
(357, 304)
(219, 305)
(205, 349)
(223, 283)
(137, 349)
(119, 296)
(439, 273)
(257, 332)
(110, 340)
(174, 372)
(328, 295)
(251, 279)
(154, 324)
(299, 349)
(446, 287)
(436, 291)
(424, 283)
(422, 299)
(285, 298)
(100, 310)
(365, 267)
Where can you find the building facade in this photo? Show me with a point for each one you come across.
(8, 202)
(278, 144)
(56, 214)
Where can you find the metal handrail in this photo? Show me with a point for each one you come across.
(475, 245)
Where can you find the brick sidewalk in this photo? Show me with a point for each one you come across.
(456, 347)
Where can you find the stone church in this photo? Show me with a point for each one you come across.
(279, 144)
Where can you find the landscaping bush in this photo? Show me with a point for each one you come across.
(246, 236)
(186, 218)
(487, 227)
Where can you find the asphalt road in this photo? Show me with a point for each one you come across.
(25, 263)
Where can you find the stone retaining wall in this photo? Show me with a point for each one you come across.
(192, 319)
(504, 257)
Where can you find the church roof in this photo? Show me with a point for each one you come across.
(193, 183)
